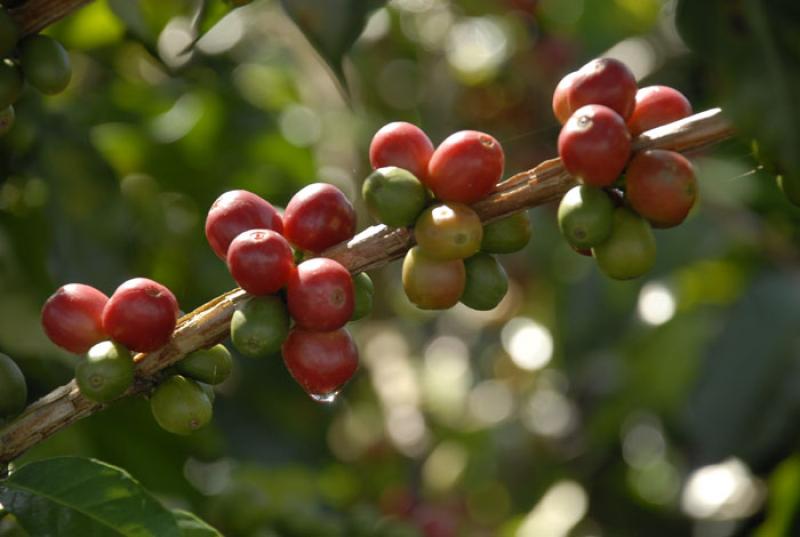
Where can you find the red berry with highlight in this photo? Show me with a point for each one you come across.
(261, 261)
(402, 145)
(319, 295)
(318, 217)
(73, 317)
(656, 106)
(594, 145)
(661, 186)
(237, 211)
(561, 108)
(321, 362)
(466, 167)
(604, 81)
(141, 315)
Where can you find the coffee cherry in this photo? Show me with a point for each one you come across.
(630, 251)
(45, 63)
(259, 326)
(141, 314)
(363, 291)
(449, 231)
(320, 295)
(432, 284)
(105, 373)
(9, 33)
(73, 317)
(594, 145)
(13, 390)
(584, 216)
(394, 196)
(790, 186)
(261, 261)
(507, 235)
(10, 83)
(180, 406)
(7, 117)
(486, 283)
(656, 106)
(321, 362)
(211, 366)
(604, 81)
(661, 186)
(561, 108)
(402, 145)
(318, 217)
(235, 212)
(465, 167)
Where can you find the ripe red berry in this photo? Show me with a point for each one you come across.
(403, 145)
(604, 81)
(141, 314)
(319, 294)
(261, 261)
(321, 362)
(236, 211)
(318, 217)
(561, 108)
(73, 317)
(656, 106)
(465, 167)
(661, 186)
(594, 145)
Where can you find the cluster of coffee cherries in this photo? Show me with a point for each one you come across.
(140, 316)
(38, 59)
(431, 189)
(622, 195)
(298, 308)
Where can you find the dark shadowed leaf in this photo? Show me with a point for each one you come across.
(75, 496)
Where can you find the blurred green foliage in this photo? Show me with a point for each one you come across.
(580, 407)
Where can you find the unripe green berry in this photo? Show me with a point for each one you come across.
(212, 365)
(363, 291)
(585, 216)
(45, 63)
(507, 235)
(13, 390)
(10, 83)
(106, 372)
(630, 250)
(259, 326)
(394, 196)
(180, 405)
(486, 283)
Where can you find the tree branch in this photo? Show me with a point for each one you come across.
(32, 16)
(374, 247)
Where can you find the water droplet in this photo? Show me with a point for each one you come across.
(324, 398)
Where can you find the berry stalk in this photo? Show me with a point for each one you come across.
(374, 247)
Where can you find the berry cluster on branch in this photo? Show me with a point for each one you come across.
(372, 248)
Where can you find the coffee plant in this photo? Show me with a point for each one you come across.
(429, 268)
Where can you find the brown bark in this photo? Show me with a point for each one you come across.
(374, 247)
(35, 15)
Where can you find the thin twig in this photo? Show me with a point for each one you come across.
(374, 247)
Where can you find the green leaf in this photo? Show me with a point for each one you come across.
(750, 53)
(192, 526)
(332, 26)
(746, 399)
(75, 496)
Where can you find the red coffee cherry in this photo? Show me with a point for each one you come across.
(656, 106)
(236, 211)
(321, 362)
(594, 145)
(403, 145)
(318, 217)
(141, 315)
(73, 317)
(261, 261)
(561, 108)
(661, 186)
(604, 81)
(466, 167)
(319, 295)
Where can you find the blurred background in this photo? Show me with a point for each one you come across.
(580, 407)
